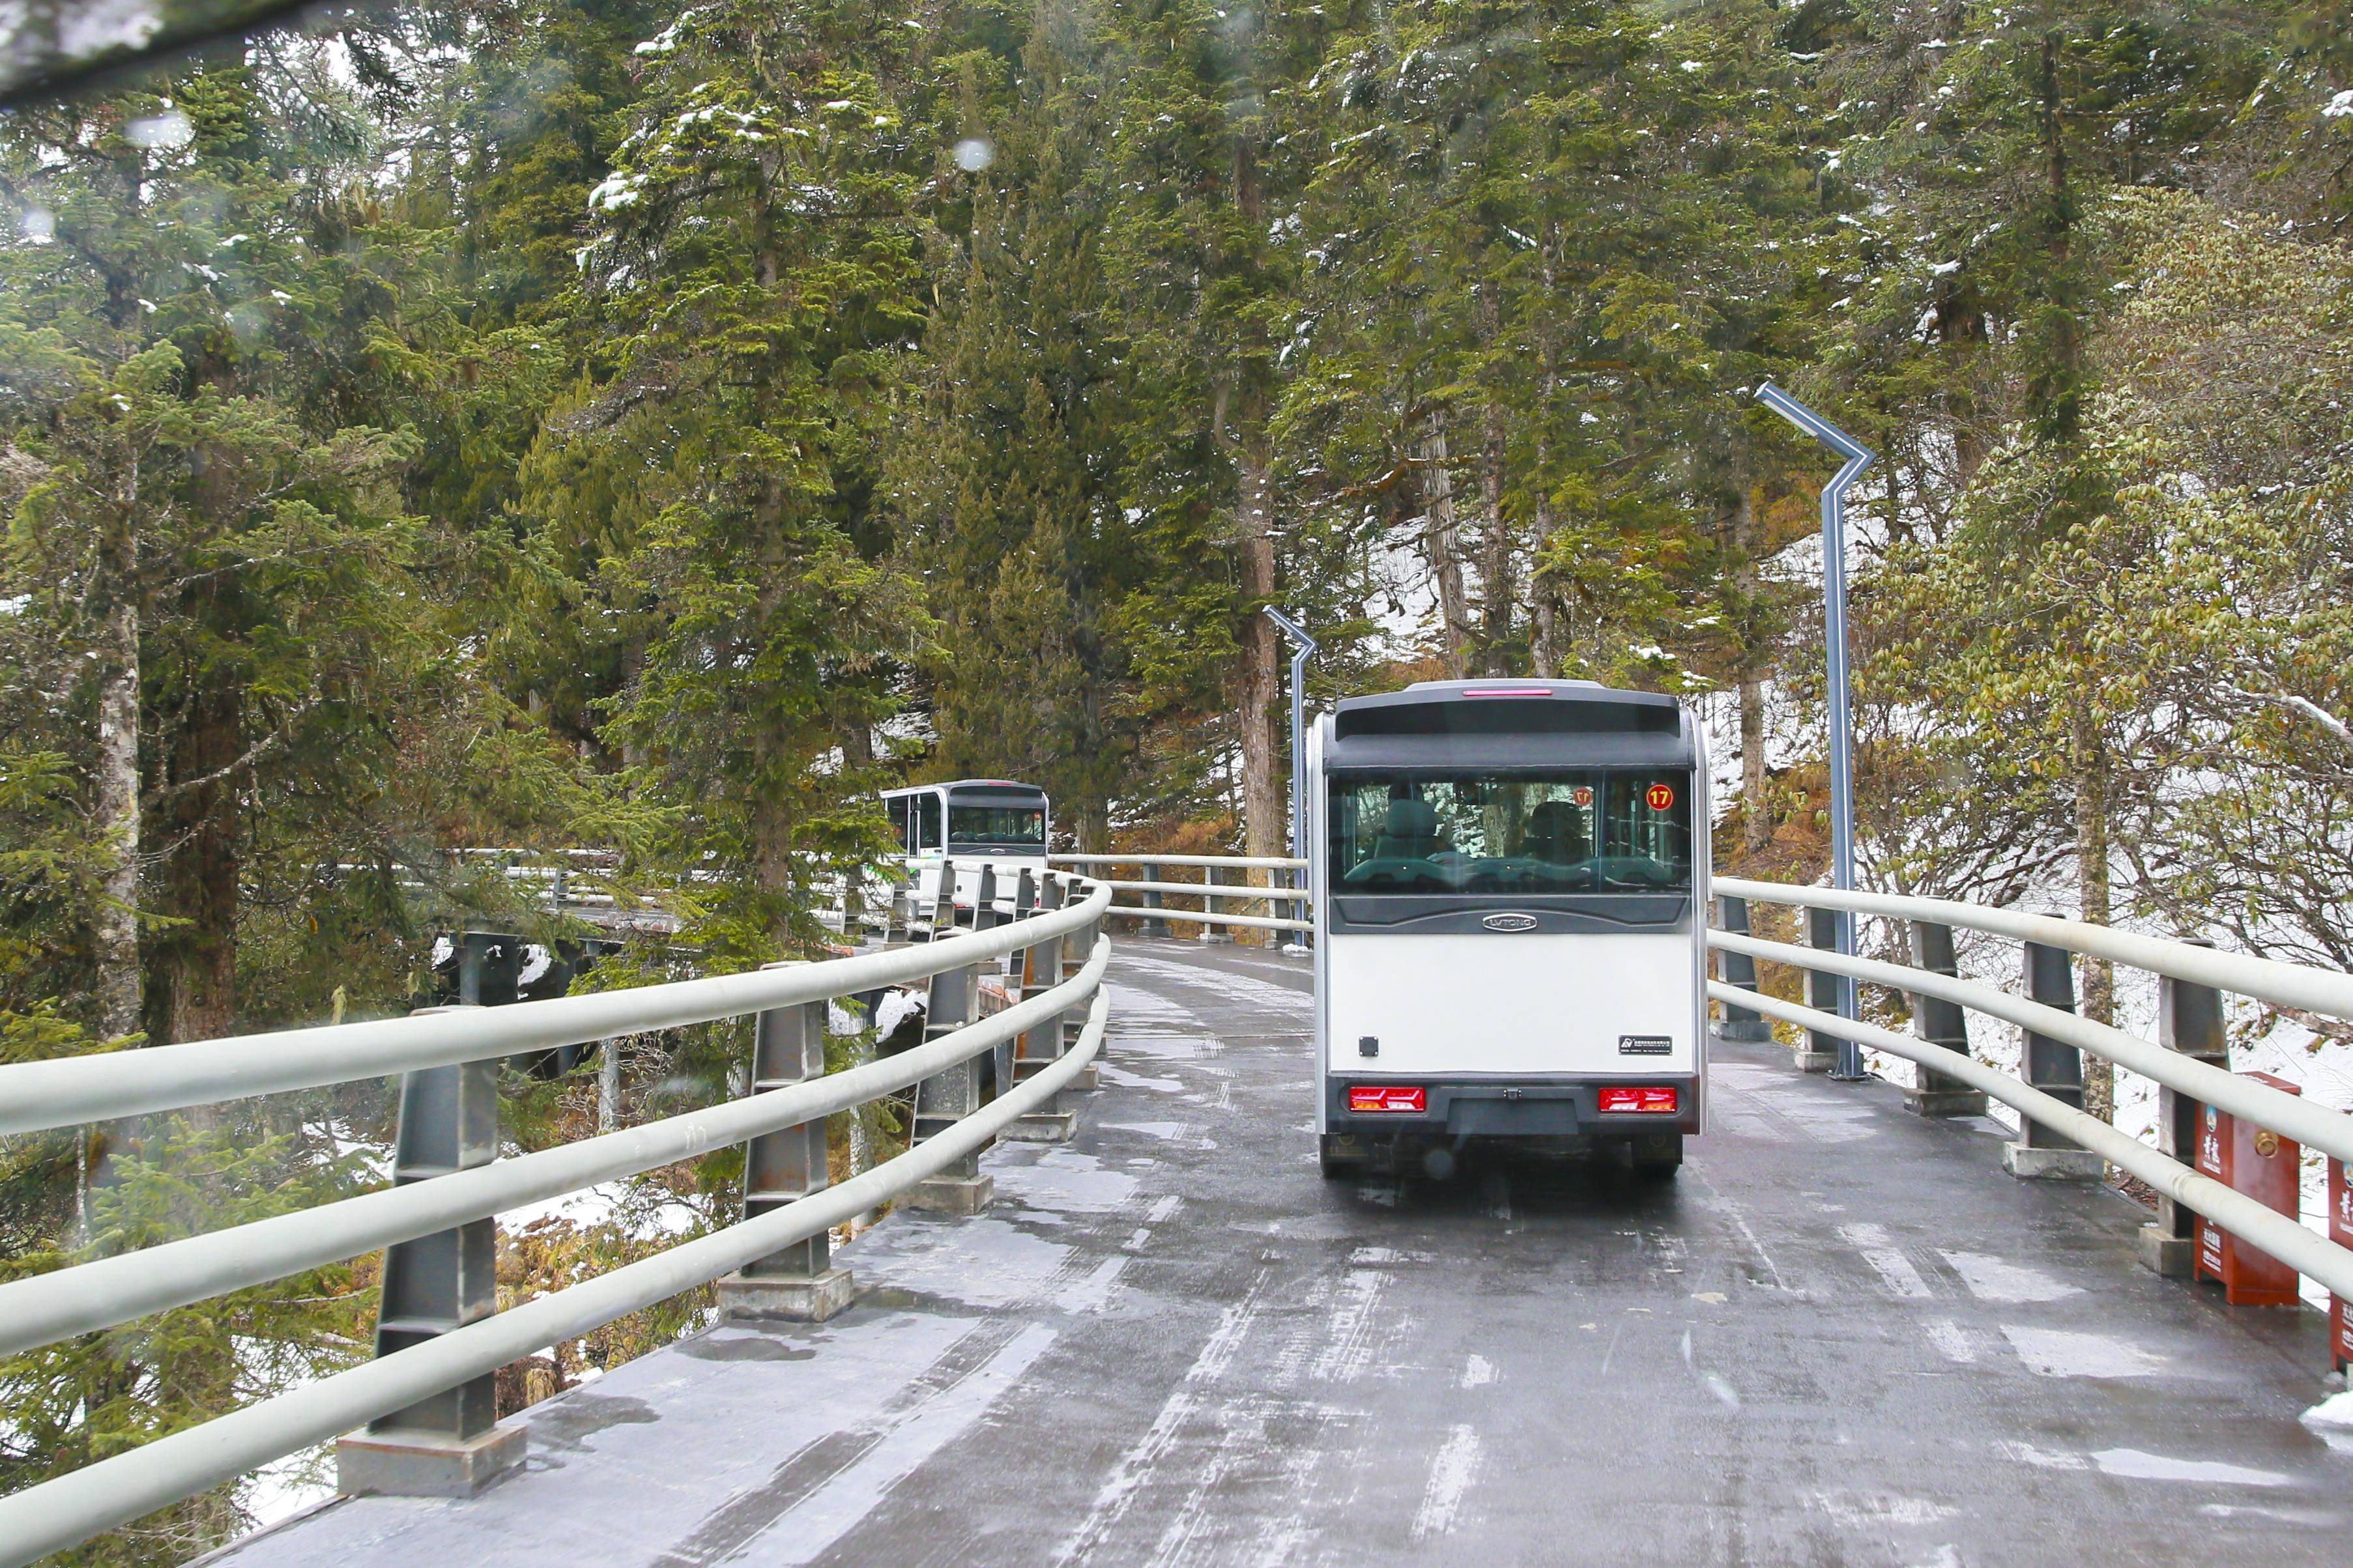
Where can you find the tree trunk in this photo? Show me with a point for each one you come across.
(1544, 615)
(1755, 810)
(1262, 811)
(1091, 825)
(1439, 542)
(115, 786)
(1496, 576)
(2094, 900)
(193, 966)
(2055, 388)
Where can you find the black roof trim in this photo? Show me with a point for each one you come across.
(1508, 707)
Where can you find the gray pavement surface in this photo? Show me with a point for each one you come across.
(1844, 1336)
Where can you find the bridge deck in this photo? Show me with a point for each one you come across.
(1842, 1337)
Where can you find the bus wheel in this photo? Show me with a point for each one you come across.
(1658, 1155)
(1331, 1162)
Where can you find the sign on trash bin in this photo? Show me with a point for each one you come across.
(2264, 1166)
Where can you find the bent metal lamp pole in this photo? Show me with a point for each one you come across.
(1303, 649)
(1842, 714)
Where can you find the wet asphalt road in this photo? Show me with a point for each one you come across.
(1844, 1336)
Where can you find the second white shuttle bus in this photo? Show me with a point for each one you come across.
(969, 821)
(1511, 895)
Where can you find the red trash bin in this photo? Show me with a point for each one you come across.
(2340, 1231)
(2265, 1167)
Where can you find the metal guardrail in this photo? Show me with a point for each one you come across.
(1296, 897)
(1052, 982)
(2264, 979)
(2185, 1065)
(36, 1095)
(2277, 1234)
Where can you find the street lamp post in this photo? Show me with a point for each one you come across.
(1841, 715)
(1302, 650)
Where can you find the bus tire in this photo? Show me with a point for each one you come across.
(1658, 1155)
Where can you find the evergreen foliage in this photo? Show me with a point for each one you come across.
(649, 430)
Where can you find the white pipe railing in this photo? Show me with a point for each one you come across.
(57, 1514)
(2331, 1131)
(2282, 1235)
(36, 1095)
(44, 1309)
(2264, 979)
(1202, 916)
(1257, 862)
(1297, 897)
(2313, 1126)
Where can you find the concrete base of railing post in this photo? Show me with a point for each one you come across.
(808, 1301)
(1755, 1031)
(1943, 1101)
(368, 1465)
(2167, 1257)
(1215, 937)
(1041, 1127)
(952, 1194)
(2029, 1165)
(1805, 1058)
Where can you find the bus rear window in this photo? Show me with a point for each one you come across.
(1606, 831)
(1022, 826)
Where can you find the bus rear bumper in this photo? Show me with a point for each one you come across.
(1556, 1107)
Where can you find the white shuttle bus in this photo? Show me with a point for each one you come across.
(969, 821)
(1511, 894)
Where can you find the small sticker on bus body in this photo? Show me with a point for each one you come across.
(1645, 1045)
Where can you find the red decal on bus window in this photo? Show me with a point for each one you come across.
(1659, 797)
(1581, 795)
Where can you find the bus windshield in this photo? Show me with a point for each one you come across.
(1022, 826)
(1612, 830)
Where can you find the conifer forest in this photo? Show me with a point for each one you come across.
(640, 430)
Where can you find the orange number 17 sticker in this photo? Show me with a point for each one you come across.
(1659, 797)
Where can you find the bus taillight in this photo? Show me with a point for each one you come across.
(1388, 1096)
(1645, 1099)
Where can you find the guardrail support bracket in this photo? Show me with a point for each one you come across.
(1740, 969)
(1036, 968)
(1941, 1023)
(2057, 1069)
(2189, 1020)
(798, 1282)
(1818, 1052)
(946, 1097)
(451, 1445)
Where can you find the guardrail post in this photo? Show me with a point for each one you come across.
(2189, 1020)
(948, 1097)
(2057, 1069)
(800, 1281)
(1941, 1023)
(1739, 969)
(1209, 905)
(452, 1444)
(1039, 967)
(1818, 1052)
(1076, 948)
(899, 917)
(943, 904)
(1025, 894)
(1153, 926)
(984, 899)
